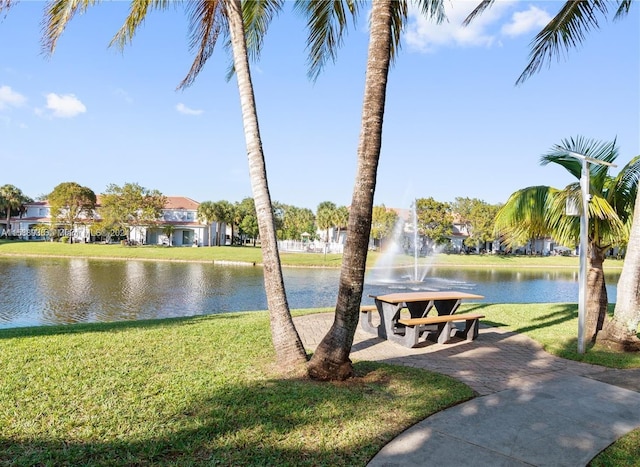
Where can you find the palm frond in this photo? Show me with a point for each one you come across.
(484, 4)
(57, 15)
(604, 151)
(622, 189)
(138, 10)
(566, 30)
(6, 4)
(432, 9)
(623, 9)
(258, 14)
(524, 215)
(327, 24)
(207, 22)
(565, 228)
(398, 20)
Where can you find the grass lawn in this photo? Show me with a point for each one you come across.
(254, 255)
(194, 391)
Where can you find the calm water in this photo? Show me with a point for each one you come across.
(61, 291)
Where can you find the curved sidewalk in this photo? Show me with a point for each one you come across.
(533, 408)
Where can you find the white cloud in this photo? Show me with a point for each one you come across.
(485, 30)
(523, 22)
(183, 109)
(10, 98)
(63, 106)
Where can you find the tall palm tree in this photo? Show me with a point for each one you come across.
(327, 25)
(565, 31)
(210, 19)
(539, 211)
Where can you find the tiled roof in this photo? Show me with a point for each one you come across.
(181, 202)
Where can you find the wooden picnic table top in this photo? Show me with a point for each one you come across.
(404, 297)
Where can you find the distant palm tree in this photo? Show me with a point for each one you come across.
(11, 199)
(210, 19)
(539, 211)
(206, 214)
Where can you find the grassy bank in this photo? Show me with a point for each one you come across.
(201, 391)
(254, 255)
(197, 391)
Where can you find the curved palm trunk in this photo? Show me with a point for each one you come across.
(286, 341)
(597, 299)
(620, 333)
(331, 358)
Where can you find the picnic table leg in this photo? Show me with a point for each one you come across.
(444, 332)
(470, 329)
(367, 323)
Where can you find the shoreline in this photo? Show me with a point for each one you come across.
(226, 262)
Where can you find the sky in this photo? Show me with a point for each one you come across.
(455, 123)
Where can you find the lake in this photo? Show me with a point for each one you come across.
(46, 291)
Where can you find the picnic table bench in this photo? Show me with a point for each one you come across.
(408, 331)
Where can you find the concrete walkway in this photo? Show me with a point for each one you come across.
(532, 408)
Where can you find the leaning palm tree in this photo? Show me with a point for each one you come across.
(210, 19)
(327, 25)
(565, 31)
(540, 211)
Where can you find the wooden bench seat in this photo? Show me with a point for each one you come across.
(367, 308)
(415, 326)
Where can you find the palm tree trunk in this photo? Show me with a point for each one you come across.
(288, 346)
(620, 333)
(331, 358)
(597, 299)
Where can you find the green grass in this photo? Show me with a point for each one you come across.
(254, 255)
(196, 391)
(624, 452)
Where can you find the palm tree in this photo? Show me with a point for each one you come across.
(11, 199)
(341, 219)
(206, 215)
(566, 30)
(209, 19)
(326, 21)
(539, 211)
(325, 215)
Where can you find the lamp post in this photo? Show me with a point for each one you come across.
(584, 241)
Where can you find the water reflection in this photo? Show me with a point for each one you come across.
(61, 291)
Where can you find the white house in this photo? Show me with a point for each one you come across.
(178, 225)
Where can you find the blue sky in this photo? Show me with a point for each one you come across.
(455, 123)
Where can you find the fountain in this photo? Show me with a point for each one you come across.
(394, 270)
(390, 268)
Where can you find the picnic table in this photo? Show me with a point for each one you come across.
(408, 330)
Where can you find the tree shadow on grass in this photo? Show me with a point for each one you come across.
(269, 422)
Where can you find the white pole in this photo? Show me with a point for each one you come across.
(415, 241)
(584, 239)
